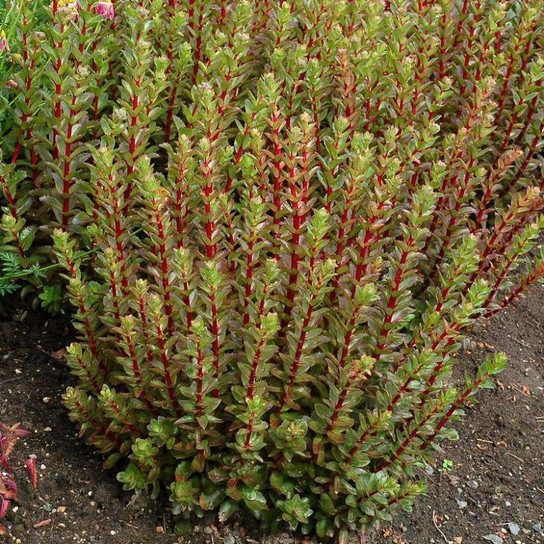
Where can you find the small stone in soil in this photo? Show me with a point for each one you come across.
(513, 528)
(473, 484)
(537, 527)
(461, 504)
(494, 538)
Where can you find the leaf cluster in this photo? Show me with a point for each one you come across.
(9, 436)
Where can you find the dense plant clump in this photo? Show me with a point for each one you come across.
(277, 219)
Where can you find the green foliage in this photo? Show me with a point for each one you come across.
(11, 266)
(11, 14)
(447, 465)
(14, 277)
(277, 220)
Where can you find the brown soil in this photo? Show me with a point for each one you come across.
(497, 477)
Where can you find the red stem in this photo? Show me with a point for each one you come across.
(166, 368)
(300, 344)
(215, 343)
(138, 375)
(90, 377)
(392, 302)
(97, 427)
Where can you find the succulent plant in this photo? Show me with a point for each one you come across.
(277, 222)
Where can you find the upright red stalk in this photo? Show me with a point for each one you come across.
(528, 157)
(27, 110)
(167, 374)
(97, 426)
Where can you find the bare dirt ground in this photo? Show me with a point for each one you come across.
(488, 487)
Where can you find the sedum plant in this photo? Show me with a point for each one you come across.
(277, 220)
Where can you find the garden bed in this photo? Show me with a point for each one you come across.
(495, 488)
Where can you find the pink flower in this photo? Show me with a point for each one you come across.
(106, 9)
(4, 45)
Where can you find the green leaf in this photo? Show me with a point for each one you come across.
(226, 510)
(254, 499)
